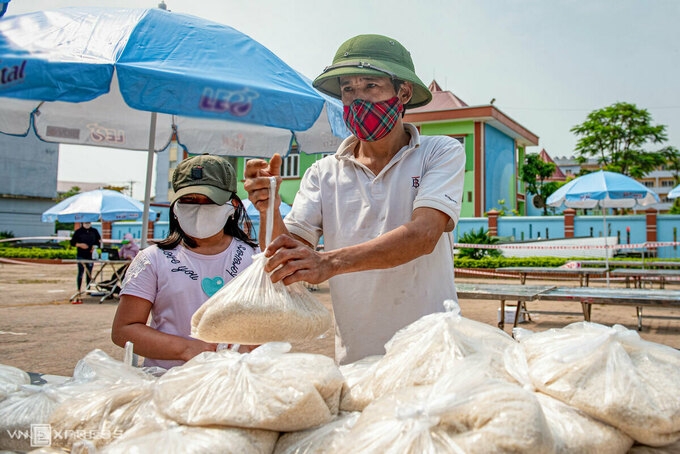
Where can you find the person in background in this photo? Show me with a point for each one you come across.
(129, 249)
(205, 248)
(85, 239)
(385, 203)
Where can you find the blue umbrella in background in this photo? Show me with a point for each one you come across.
(3, 7)
(92, 206)
(254, 215)
(675, 192)
(137, 78)
(604, 190)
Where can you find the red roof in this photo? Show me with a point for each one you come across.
(445, 106)
(557, 175)
(441, 100)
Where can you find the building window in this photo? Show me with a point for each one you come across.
(460, 139)
(648, 184)
(291, 165)
(667, 183)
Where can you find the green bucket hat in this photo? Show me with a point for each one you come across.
(376, 55)
(212, 176)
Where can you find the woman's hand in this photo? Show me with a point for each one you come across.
(195, 347)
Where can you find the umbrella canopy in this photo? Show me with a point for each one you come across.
(94, 205)
(603, 189)
(675, 192)
(254, 215)
(136, 78)
(91, 76)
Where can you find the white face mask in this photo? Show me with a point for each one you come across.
(202, 221)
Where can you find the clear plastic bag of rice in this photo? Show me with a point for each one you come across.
(253, 310)
(11, 379)
(317, 439)
(575, 431)
(269, 388)
(463, 412)
(611, 374)
(422, 352)
(572, 429)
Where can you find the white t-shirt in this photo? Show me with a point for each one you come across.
(343, 200)
(178, 281)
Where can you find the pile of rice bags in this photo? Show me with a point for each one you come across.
(105, 396)
(268, 388)
(179, 439)
(608, 373)
(465, 411)
(94, 402)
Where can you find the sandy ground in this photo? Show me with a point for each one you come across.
(40, 331)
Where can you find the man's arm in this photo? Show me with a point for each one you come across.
(407, 242)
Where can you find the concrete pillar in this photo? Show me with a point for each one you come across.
(569, 214)
(492, 216)
(149, 234)
(106, 230)
(650, 217)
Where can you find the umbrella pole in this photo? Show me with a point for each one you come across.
(606, 248)
(149, 174)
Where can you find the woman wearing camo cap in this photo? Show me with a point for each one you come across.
(205, 249)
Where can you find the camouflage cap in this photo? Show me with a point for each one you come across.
(211, 176)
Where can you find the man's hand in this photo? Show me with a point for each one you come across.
(82, 246)
(257, 175)
(293, 261)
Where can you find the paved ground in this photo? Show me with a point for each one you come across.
(40, 331)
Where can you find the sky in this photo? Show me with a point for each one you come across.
(547, 63)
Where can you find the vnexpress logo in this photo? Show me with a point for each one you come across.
(41, 435)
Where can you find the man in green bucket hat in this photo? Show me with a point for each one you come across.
(385, 203)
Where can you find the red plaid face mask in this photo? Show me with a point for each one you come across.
(370, 121)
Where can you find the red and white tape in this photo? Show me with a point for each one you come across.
(566, 246)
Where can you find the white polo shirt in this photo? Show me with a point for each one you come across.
(345, 202)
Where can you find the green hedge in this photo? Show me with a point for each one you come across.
(501, 262)
(37, 253)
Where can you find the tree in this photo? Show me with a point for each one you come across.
(71, 192)
(617, 136)
(534, 173)
(478, 237)
(672, 156)
(120, 189)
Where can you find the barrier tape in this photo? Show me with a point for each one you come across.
(567, 246)
(55, 238)
(500, 275)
